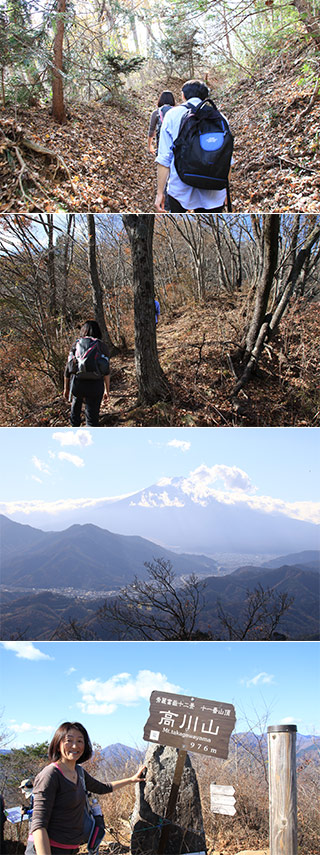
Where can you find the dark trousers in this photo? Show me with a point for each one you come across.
(176, 208)
(92, 409)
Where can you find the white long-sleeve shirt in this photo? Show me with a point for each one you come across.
(189, 197)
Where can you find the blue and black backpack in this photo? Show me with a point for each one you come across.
(203, 148)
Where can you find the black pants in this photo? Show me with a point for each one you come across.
(92, 409)
(176, 208)
(90, 391)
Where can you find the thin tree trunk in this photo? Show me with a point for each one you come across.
(301, 259)
(58, 108)
(152, 383)
(67, 259)
(96, 285)
(270, 325)
(270, 257)
(51, 270)
(3, 87)
(309, 20)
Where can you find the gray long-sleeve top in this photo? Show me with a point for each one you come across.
(59, 804)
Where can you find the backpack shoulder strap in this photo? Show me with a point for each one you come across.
(81, 776)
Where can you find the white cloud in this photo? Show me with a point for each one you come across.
(262, 677)
(35, 478)
(25, 650)
(103, 697)
(40, 465)
(25, 727)
(180, 444)
(289, 719)
(79, 437)
(157, 500)
(71, 458)
(199, 484)
(227, 485)
(70, 671)
(60, 506)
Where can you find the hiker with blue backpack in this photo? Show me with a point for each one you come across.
(87, 375)
(195, 154)
(63, 817)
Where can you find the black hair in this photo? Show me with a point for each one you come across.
(166, 97)
(54, 752)
(195, 89)
(91, 328)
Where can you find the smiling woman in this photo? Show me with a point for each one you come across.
(60, 793)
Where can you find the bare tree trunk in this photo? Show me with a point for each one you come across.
(58, 108)
(270, 234)
(133, 27)
(301, 259)
(270, 324)
(51, 270)
(152, 383)
(192, 233)
(96, 285)
(67, 260)
(309, 20)
(3, 87)
(226, 31)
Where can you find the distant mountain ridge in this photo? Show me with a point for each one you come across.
(307, 746)
(83, 557)
(310, 557)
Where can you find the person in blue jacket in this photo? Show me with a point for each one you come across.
(157, 310)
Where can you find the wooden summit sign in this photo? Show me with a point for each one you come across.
(190, 724)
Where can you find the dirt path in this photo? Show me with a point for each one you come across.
(108, 167)
(193, 357)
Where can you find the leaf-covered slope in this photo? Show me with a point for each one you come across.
(103, 163)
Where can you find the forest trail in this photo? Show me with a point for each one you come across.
(194, 344)
(108, 167)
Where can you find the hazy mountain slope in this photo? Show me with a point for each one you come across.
(302, 620)
(84, 557)
(310, 557)
(174, 516)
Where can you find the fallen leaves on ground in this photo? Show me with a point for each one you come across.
(191, 346)
(108, 167)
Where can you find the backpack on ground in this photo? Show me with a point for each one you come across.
(93, 822)
(203, 148)
(161, 114)
(88, 361)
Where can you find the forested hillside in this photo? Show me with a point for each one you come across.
(237, 342)
(79, 85)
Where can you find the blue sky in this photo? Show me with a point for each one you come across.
(274, 468)
(107, 685)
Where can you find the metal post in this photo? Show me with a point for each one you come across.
(282, 789)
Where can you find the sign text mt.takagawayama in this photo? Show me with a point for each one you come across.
(190, 724)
